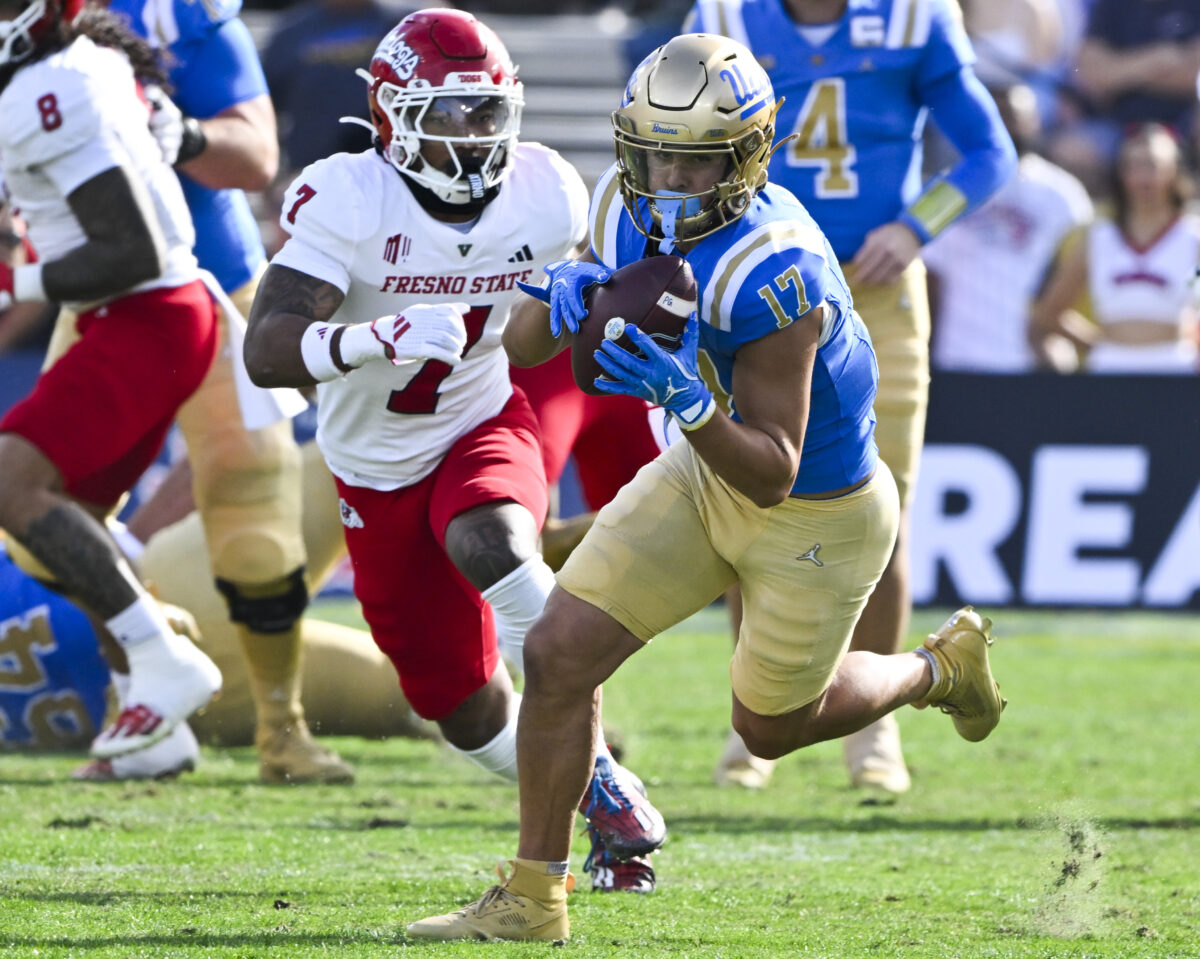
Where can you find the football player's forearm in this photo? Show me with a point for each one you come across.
(526, 338)
(287, 303)
(124, 247)
(241, 150)
(755, 463)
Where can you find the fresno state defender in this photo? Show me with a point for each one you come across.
(391, 295)
(108, 219)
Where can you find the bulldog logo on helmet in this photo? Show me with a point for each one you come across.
(403, 59)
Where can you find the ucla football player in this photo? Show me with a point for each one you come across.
(857, 79)
(783, 494)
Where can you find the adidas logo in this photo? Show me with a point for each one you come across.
(523, 255)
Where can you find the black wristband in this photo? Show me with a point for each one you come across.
(335, 349)
(194, 141)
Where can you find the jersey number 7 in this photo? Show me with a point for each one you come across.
(421, 393)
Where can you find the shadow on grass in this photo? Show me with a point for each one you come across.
(739, 823)
(109, 897)
(202, 940)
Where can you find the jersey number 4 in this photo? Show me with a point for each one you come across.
(822, 140)
(421, 393)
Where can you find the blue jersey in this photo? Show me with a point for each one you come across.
(754, 277)
(52, 677)
(213, 65)
(856, 100)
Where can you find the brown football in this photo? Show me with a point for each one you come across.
(657, 294)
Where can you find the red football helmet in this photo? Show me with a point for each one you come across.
(19, 37)
(442, 77)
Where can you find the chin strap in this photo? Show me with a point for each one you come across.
(436, 204)
(673, 207)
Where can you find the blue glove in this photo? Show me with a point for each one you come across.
(669, 380)
(568, 281)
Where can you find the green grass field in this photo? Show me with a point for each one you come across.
(1071, 832)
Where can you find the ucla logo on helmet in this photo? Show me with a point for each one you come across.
(660, 128)
(747, 91)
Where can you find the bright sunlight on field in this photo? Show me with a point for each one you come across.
(1071, 832)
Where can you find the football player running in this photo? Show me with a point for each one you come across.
(219, 133)
(391, 295)
(109, 221)
(859, 80)
(785, 495)
(57, 698)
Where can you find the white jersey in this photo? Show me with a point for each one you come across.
(1151, 284)
(354, 223)
(68, 118)
(991, 264)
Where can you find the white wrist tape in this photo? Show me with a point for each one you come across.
(360, 344)
(27, 284)
(697, 415)
(315, 351)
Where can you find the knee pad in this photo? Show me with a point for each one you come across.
(272, 608)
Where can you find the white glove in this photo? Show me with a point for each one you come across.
(166, 122)
(422, 332)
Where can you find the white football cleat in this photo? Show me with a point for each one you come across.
(740, 767)
(874, 758)
(169, 680)
(166, 759)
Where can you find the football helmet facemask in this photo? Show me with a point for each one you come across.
(20, 36)
(442, 77)
(701, 100)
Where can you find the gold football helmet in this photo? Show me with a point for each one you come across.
(697, 97)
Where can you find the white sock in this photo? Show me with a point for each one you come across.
(121, 683)
(139, 623)
(935, 671)
(517, 600)
(602, 749)
(500, 755)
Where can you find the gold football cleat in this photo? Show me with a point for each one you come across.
(965, 690)
(500, 914)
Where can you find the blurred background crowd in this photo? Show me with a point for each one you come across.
(1100, 96)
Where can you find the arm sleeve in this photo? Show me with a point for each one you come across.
(216, 70)
(967, 114)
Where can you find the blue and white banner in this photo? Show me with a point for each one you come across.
(1059, 491)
